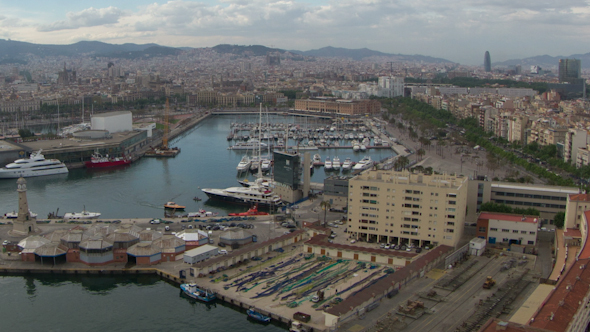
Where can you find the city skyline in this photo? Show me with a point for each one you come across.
(458, 31)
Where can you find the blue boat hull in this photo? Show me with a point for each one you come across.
(258, 316)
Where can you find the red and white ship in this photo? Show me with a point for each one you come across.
(98, 161)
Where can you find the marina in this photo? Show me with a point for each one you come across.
(169, 179)
(113, 185)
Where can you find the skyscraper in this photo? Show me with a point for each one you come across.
(487, 62)
(570, 71)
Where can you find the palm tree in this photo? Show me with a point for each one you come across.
(420, 153)
(325, 205)
(442, 145)
(401, 162)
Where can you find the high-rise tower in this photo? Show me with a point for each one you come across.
(487, 62)
(570, 71)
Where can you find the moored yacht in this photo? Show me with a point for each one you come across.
(35, 165)
(347, 165)
(336, 163)
(244, 164)
(328, 164)
(365, 163)
(254, 194)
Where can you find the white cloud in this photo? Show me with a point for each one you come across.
(460, 30)
(86, 18)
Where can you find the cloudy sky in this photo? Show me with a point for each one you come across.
(458, 30)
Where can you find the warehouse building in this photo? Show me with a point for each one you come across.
(200, 254)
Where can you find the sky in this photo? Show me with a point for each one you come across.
(456, 30)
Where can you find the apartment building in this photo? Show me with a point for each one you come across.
(577, 204)
(407, 208)
(338, 106)
(574, 139)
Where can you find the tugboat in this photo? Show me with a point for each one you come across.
(258, 316)
(195, 292)
(253, 211)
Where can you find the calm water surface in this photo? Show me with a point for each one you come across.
(122, 303)
(141, 189)
(144, 303)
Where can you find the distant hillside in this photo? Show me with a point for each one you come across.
(362, 53)
(545, 61)
(150, 52)
(10, 49)
(252, 50)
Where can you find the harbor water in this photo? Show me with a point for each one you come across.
(106, 303)
(141, 189)
(136, 303)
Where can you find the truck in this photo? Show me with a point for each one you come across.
(489, 283)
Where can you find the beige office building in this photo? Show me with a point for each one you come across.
(407, 208)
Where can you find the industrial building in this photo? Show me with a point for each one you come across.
(547, 199)
(336, 191)
(200, 254)
(507, 228)
(407, 208)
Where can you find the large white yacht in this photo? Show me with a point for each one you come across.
(365, 163)
(255, 194)
(336, 163)
(347, 165)
(35, 165)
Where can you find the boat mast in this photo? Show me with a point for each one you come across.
(58, 116)
(165, 138)
(259, 142)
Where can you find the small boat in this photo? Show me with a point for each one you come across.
(174, 206)
(253, 211)
(317, 159)
(258, 316)
(363, 147)
(202, 214)
(197, 199)
(195, 292)
(265, 165)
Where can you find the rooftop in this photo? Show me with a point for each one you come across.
(322, 240)
(508, 217)
(579, 197)
(563, 303)
(553, 189)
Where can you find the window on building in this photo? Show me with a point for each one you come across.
(531, 242)
(515, 231)
(505, 230)
(452, 202)
(532, 233)
(482, 229)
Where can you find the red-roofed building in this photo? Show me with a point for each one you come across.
(567, 308)
(507, 228)
(576, 205)
(495, 324)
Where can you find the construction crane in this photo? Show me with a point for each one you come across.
(164, 150)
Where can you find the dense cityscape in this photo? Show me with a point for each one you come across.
(374, 191)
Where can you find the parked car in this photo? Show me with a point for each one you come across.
(155, 221)
(418, 250)
(387, 246)
(221, 244)
(223, 252)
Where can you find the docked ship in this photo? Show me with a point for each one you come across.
(99, 161)
(14, 215)
(195, 292)
(81, 215)
(255, 194)
(35, 165)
